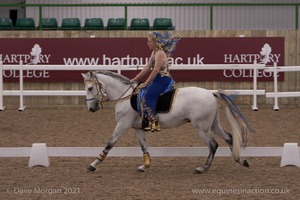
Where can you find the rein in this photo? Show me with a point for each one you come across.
(101, 93)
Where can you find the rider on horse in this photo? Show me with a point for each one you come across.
(159, 81)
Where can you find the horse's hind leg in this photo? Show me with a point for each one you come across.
(242, 162)
(227, 137)
(213, 146)
(144, 146)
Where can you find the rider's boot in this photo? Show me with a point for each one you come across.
(154, 124)
(154, 120)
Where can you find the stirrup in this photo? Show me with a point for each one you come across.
(145, 124)
(148, 128)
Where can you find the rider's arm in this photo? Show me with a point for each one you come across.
(144, 71)
(159, 61)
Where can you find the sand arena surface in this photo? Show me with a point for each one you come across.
(117, 178)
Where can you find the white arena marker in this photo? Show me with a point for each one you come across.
(39, 155)
(290, 155)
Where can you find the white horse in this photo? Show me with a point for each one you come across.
(198, 106)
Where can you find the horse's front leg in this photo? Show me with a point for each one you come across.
(144, 146)
(109, 145)
(125, 117)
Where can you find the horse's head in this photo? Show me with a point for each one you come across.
(94, 94)
(103, 86)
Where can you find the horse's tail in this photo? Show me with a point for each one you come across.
(239, 125)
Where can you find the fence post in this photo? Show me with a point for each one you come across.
(1, 84)
(254, 106)
(22, 107)
(119, 68)
(276, 108)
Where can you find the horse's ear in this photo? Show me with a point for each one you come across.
(88, 75)
(84, 75)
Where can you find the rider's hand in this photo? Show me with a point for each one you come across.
(142, 85)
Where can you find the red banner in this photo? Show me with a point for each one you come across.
(134, 51)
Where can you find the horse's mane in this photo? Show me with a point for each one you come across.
(114, 75)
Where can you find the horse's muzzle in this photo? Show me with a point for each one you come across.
(95, 107)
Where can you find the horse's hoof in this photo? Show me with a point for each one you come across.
(141, 168)
(90, 168)
(246, 164)
(200, 170)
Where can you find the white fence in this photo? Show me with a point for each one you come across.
(14, 152)
(39, 153)
(254, 92)
(21, 92)
(277, 94)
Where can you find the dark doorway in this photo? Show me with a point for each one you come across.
(13, 15)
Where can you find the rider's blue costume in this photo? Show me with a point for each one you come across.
(149, 95)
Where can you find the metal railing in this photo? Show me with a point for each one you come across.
(125, 6)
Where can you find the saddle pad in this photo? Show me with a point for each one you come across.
(164, 103)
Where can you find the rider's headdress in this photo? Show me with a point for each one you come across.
(166, 41)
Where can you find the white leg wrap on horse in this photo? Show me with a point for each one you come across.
(102, 156)
(96, 162)
(99, 159)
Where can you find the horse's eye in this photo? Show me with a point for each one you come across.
(90, 88)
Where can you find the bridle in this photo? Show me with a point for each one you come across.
(101, 94)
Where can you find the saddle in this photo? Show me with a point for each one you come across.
(164, 103)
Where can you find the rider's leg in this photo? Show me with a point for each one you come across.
(152, 116)
(150, 97)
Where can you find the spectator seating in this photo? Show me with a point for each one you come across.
(116, 24)
(25, 24)
(93, 24)
(90, 24)
(139, 24)
(163, 24)
(49, 24)
(70, 24)
(6, 24)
